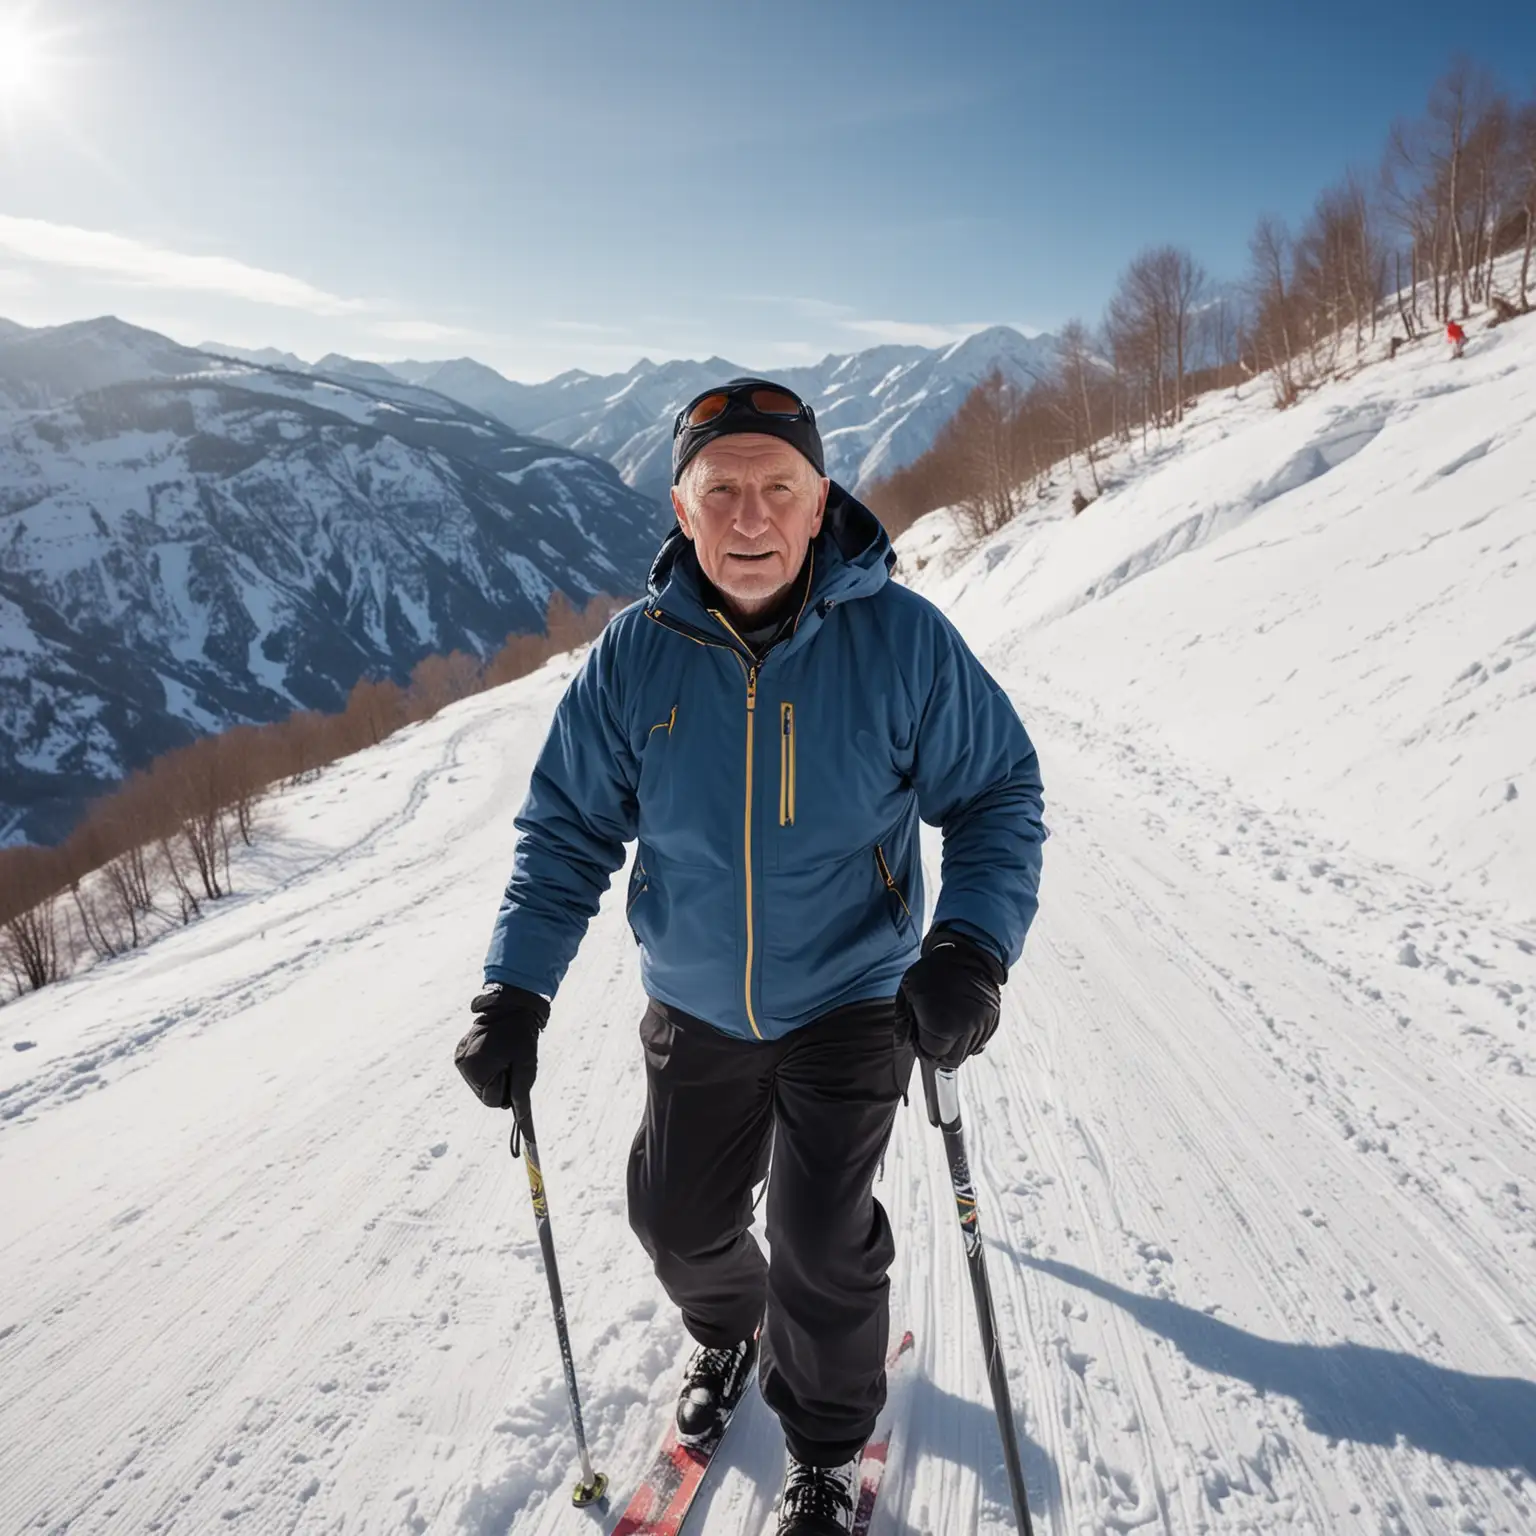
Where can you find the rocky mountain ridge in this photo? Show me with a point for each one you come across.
(878, 409)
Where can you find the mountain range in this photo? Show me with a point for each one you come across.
(878, 410)
(187, 542)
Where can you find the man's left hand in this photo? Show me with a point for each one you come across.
(499, 1057)
(949, 1001)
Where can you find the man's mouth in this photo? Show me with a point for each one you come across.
(766, 554)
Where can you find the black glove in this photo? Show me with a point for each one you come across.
(499, 1057)
(948, 1002)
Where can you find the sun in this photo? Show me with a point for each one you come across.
(24, 63)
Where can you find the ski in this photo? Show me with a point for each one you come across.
(667, 1491)
(877, 1452)
(660, 1504)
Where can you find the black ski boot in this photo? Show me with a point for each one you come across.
(818, 1501)
(712, 1386)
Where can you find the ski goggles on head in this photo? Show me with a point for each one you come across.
(759, 399)
(745, 405)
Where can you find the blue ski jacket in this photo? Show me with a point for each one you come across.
(776, 801)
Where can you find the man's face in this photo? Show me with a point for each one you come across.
(751, 504)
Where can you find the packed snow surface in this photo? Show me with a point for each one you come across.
(1255, 1146)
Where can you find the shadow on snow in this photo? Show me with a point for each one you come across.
(964, 1433)
(1346, 1391)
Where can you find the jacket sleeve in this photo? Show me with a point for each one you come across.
(977, 777)
(580, 811)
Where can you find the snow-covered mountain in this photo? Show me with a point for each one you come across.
(53, 364)
(1254, 1145)
(878, 409)
(263, 357)
(185, 549)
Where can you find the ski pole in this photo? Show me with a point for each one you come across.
(942, 1091)
(593, 1485)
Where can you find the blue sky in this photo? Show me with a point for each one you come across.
(579, 184)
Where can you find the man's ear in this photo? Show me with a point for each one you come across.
(680, 507)
(821, 506)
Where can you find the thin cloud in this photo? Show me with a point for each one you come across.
(789, 354)
(422, 330)
(586, 328)
(124, 260)
(914, 333)
(812, 309)
(844, 317)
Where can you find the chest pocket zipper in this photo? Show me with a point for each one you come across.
(786, 765)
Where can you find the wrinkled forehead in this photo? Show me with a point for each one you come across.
(749, 455)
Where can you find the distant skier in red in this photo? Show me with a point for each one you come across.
(1457, 338)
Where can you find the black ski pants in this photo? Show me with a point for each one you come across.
(823, 1099)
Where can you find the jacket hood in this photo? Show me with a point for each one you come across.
(852, 556)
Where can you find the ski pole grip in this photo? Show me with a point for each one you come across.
(522, 1123)
(930, 1092)
(942, 1095)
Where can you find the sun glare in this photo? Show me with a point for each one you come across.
(23, 64)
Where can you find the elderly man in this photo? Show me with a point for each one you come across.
(771, 723)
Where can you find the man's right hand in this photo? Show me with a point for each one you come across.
(499, 1057)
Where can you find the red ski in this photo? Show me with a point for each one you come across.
(666, 1492)
(872, 1468)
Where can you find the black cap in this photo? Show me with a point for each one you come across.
(740, 415)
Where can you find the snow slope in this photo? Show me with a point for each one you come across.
(1335, 606)
(1257, 1190)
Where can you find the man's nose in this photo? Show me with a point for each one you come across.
(751, 512)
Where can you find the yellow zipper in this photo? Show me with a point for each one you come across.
(890, 881)
(751, 672)
(751, 714)
(786, 765)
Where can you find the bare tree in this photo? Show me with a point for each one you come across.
(1452, 109)
(303, 744)
(375, 709)
(31, 947)
(1271, 288)
(1221, 336)
(1185, 284)
(1524, 168)
(1081, 381)
(994, 462)
(1137, 325)
(562, 624)
(438, 681)
(1451, 183)
(1338, 273)
(193, 784)
(521, 655)
(1152, 317)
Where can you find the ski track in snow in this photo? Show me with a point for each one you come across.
(1257, 1209)
(1255, 1149)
